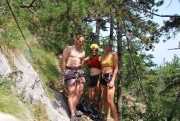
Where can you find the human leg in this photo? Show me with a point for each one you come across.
(74, 89)
(99, 101)
(79, 91)
(71, 98)
(95, 90)
(90, 94)
(110, 101)
(106, 104)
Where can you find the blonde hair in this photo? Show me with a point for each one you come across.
(80, 36)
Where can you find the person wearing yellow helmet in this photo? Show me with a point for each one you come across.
(94, 46)
(95, 70)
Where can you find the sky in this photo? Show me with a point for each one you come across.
(161, 51)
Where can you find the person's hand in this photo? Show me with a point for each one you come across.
(98, 84)
(111, 84)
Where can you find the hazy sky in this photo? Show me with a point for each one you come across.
(161, 51)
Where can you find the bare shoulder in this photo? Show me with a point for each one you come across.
(68, 48)
(114, 53)
(100, 58)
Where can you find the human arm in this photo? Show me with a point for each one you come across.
(83, 59)
(99, 58)
(64, 59)
(115, 68)
(86, 59)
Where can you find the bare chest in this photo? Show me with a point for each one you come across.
(76, 54)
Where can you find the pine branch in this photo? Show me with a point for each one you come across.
(135, 6)
(170, 86)
(169, 4)
(174, 49)
(28, 6)
(174, 109)
(160, 15)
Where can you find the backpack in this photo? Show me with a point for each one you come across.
(88, 109)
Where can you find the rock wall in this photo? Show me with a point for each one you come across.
(7, 117)
(14, 65)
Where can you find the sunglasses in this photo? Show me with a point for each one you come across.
(81, 41)
(94, 50)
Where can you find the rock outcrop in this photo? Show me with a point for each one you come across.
(14, 66)
(8, 117)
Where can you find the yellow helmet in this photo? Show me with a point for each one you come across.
(94, 46)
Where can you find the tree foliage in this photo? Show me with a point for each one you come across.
(55, 24)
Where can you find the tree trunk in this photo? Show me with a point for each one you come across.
(72, 40)
(111, 28)
(98, 25)
(119, 48)
(173, 111)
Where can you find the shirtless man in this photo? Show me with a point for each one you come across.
(71, 65)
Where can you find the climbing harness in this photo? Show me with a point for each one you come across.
(107, 77)
(76, 75)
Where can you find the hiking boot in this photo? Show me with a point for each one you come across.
(73, 118)
(78, 113)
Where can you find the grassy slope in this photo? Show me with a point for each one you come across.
(9, 103)
(44, 62)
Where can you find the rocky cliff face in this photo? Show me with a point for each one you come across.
(14, 66)
(7, 117)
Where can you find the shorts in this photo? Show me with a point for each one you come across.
(106, 78)
(71, 74)
(93, 81)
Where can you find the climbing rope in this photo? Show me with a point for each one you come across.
(34, 59)
(17, 23)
